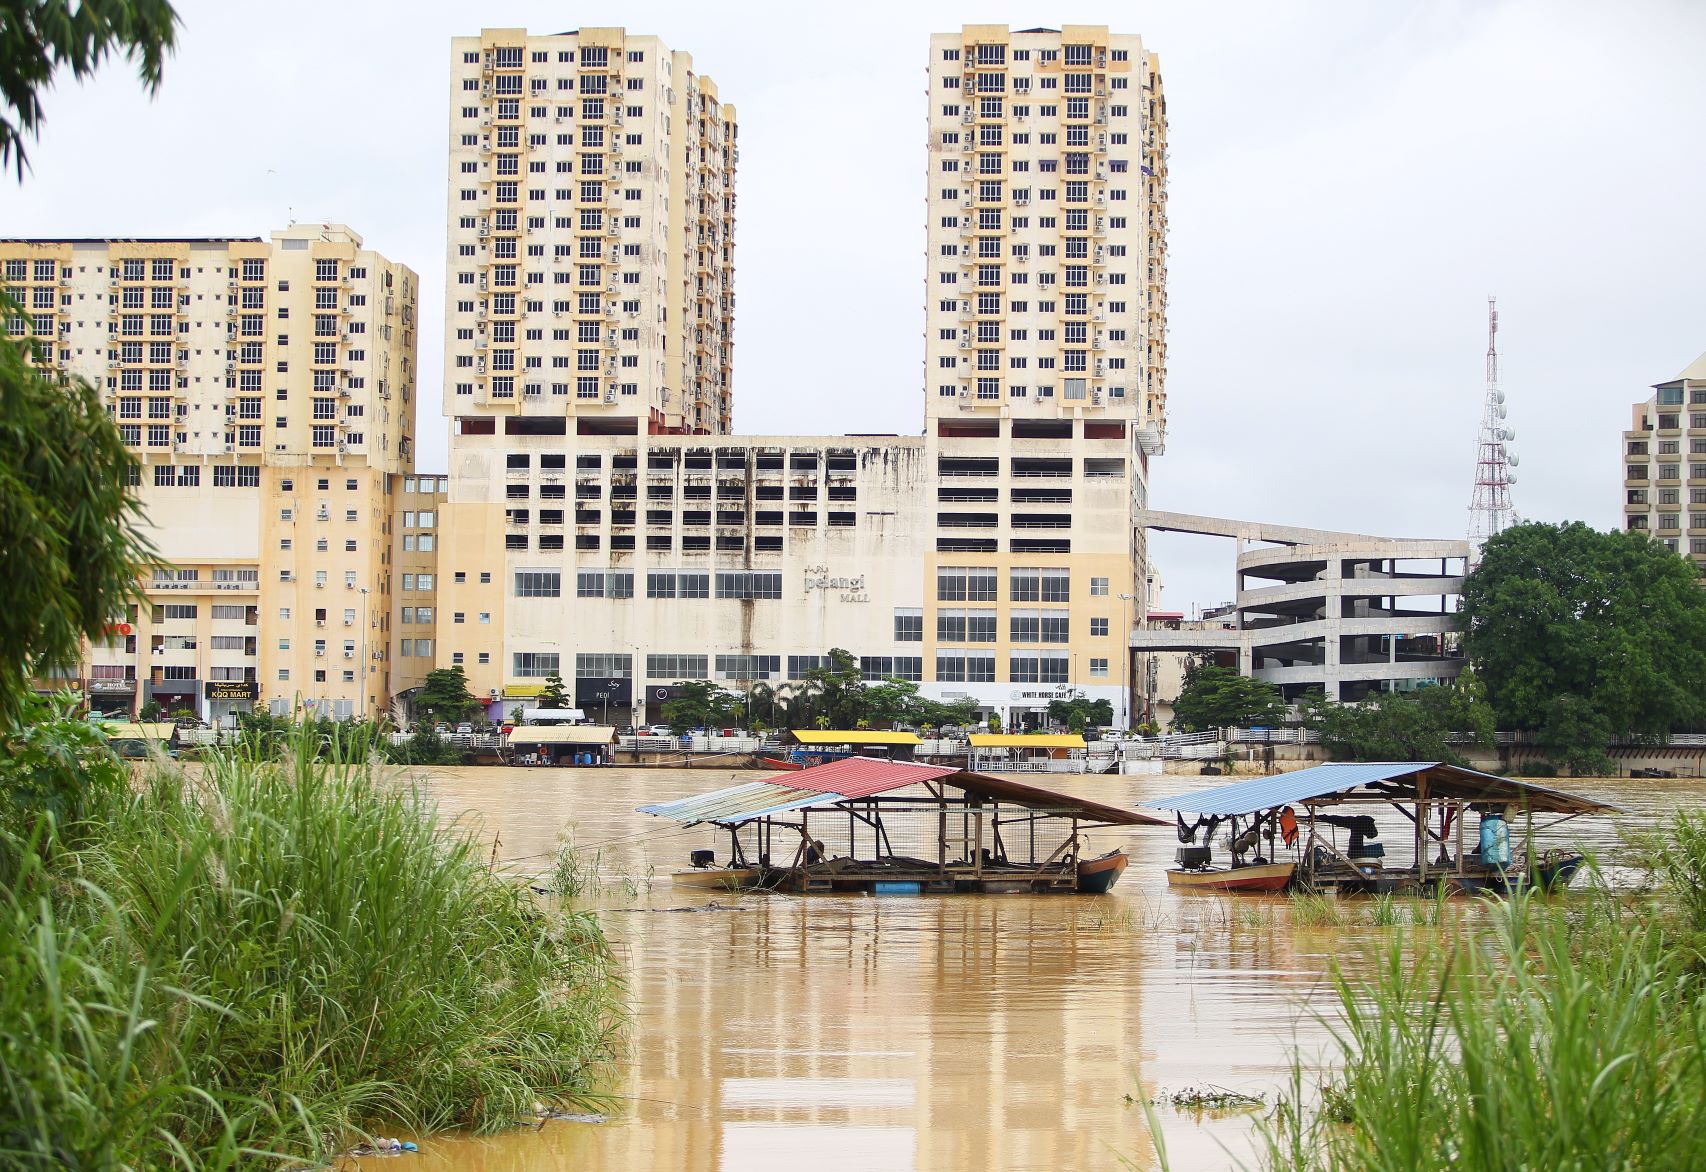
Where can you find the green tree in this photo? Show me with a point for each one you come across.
(1613, 620)
(1573, 736)
(1404, 726)
(38, 37)
(444, 695)
(892, 701)
(954, 713)
(1218, 697)
(837, 689)
(700, 704)
(70, 546)
(553, 695)
(1078, 713)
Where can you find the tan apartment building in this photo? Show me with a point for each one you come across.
(417, 514)
(267, 388)
(629, 546)
(1045, 352)
(591, 242)
(1664, 463)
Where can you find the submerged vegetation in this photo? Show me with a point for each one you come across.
(266, 958)
(1562, 1034)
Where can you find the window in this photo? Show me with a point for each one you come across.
(955, 666)
(678, 667)
(1098, 627)
(537, 584)
(956, 584)
(965, 626)
(748, 667)
(604, 584)
(1098, 587)
(908, 626)
(534, 664)
(747, 585)
(606, 666)
(1039, 669)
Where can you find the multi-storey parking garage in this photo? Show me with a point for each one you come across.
(1341, 613)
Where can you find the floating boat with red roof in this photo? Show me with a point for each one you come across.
(863, 824)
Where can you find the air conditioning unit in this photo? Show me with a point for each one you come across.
(319, 622)
(349, 655)
(1096, 396)
(1022, 200)
(965, 392)
(964, 345)
(610, 396)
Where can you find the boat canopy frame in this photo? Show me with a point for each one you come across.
(1416, 789)
(955, 815)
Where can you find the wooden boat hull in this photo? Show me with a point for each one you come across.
(717, 878)
(1097, 876)
(1551, 875)
(779, 764)
(1261, 878)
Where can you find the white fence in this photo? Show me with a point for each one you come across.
(691, 744)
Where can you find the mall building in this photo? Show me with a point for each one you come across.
(598, 519)
(602, 522)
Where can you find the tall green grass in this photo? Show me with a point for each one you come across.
(1567, 1034)
(272, 956)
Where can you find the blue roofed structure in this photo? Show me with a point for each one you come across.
(1391, 781)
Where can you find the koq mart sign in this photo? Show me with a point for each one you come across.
(232, 689)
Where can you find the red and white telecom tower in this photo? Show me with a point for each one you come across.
(1490, 508)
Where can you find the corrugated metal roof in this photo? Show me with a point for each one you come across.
(738, 803)
(862, 777)
(856, 736)
(1039, 741)
(1281, 789)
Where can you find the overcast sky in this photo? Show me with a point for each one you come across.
(1348, 183)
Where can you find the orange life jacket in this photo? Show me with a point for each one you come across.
(1288, 826)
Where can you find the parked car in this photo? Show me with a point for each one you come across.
(441, 729)
(465, 728)
(660, 730)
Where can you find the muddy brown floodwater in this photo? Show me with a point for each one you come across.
(822, 1033)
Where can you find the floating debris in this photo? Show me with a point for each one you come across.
(383, 1146)
(575, 1117)
(1209, 1097)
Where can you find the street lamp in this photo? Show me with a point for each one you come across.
(1125, 656)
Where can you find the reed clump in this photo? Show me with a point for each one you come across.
(265, 959)
(1311, 909)
(1553, 1034)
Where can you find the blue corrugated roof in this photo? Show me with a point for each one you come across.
(739, 803)
(1281, 789)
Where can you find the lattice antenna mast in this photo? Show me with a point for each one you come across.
(1490, 509)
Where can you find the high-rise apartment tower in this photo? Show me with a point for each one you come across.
(590, 281)
(1664, 463)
